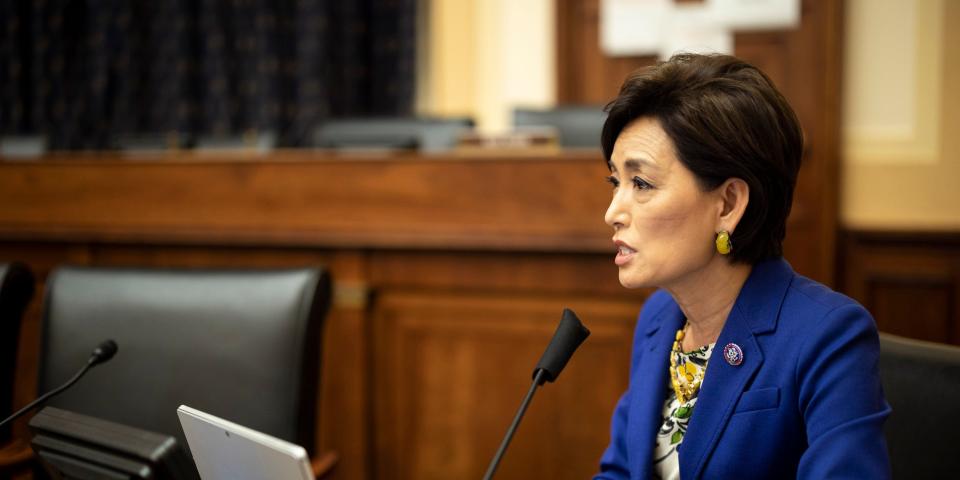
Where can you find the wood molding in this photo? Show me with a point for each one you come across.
(909, 281)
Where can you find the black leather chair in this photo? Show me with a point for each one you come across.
(22, 147)
(577, 126)
(242, 345)
(922, 383)
(16, 290)
(424, 133)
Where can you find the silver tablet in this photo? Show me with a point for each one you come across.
(224, 450)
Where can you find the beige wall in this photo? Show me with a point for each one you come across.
(484, 57)
(901, 129)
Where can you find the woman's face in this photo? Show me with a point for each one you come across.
(664, 223)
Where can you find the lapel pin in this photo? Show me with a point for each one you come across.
(733, 354)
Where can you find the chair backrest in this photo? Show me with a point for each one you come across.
(263, 141)
(921, 381)
(577, 126)
(242, 345)
(423, 133)
(16, 290)
(22, 146)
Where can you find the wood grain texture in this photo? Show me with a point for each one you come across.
(585, 75)
(450, 275)
(308, 199)
(453, 368)
(389, 228)
(909, 281)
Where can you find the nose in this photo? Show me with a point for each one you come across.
(618, 215)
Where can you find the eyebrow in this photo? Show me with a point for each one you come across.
(633, 164)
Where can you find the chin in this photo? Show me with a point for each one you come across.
(629, 280)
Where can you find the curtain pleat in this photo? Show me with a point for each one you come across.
(86, 73)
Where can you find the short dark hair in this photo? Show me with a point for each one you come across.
(726, 120)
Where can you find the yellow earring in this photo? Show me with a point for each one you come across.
(724, 246)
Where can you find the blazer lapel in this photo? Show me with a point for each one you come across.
(650, 388)
(718, 395)
(755, 312)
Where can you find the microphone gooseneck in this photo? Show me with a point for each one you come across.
(569, 335)
(104, 352)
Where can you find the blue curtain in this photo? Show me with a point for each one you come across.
(87, 72)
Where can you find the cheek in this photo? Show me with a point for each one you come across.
(675, 227)
(664, 219)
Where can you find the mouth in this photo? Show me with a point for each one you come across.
(625, 253)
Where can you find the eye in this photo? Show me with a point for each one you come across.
(613, 181)
(641, 184)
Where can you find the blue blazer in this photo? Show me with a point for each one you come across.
(806, 401)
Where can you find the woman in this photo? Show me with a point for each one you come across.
(740, 367)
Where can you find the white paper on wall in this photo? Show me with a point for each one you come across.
(662, 27)
(694, 29)
(746, 15)
(633, 27)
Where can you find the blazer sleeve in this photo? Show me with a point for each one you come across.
(841, 398)
(613, 463)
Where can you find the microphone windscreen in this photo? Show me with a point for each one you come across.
(105, 351)
(570, 334)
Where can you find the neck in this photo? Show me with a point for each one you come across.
(706, 298)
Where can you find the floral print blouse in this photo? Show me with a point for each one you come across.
(676, 416)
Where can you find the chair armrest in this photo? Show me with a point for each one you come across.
(15, 457)
(324, 464)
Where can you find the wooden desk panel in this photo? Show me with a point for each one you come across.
(304, 198)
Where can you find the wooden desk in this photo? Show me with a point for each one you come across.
(451, 273)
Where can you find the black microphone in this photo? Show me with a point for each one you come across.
(569, 335)
(104, 352)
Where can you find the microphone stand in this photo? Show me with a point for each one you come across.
(47, 395)
(537, 381)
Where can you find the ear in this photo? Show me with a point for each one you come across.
(734, 195)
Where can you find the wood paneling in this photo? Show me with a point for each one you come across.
(910, 281)
(804, 63)
(584, 74)
(912, 308)
(450, 276)
(453, 369)
(450, 272)
(436, 260)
